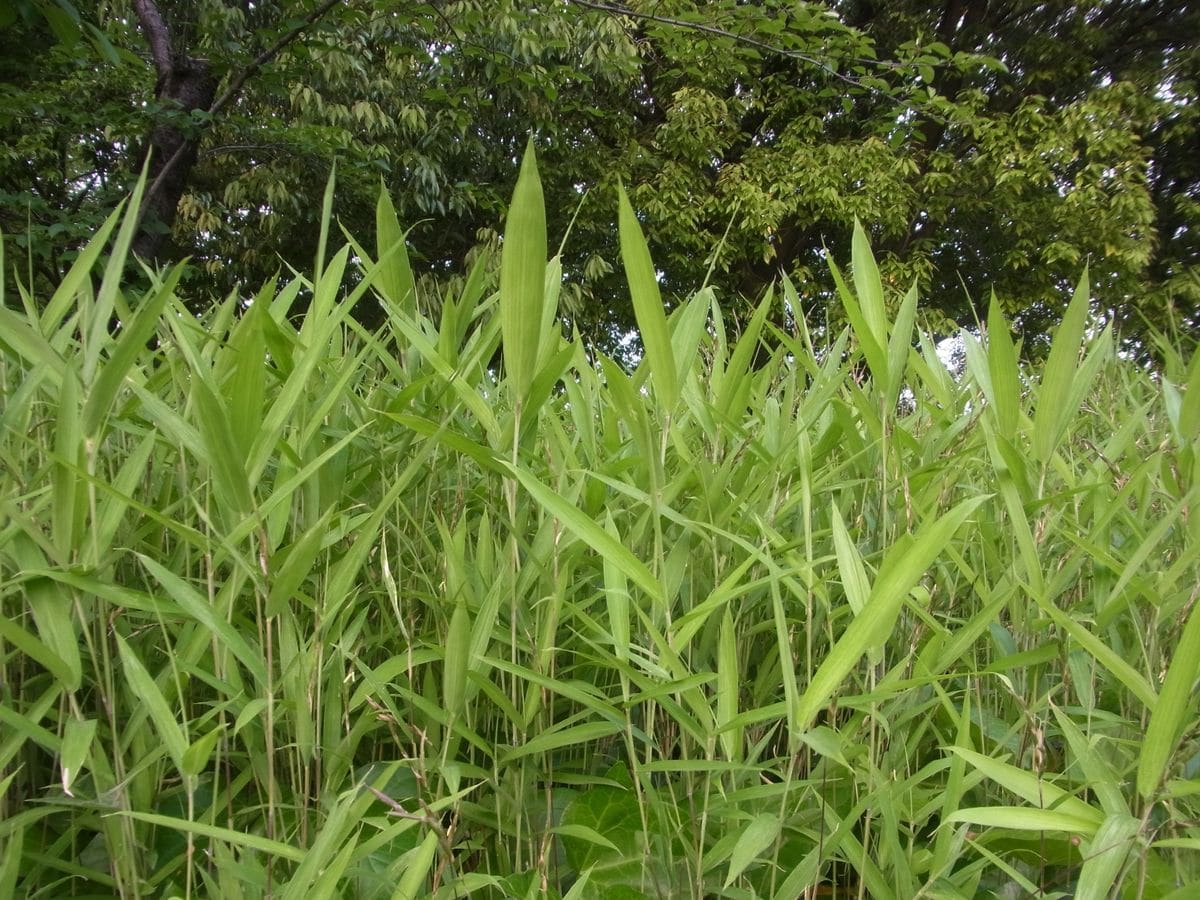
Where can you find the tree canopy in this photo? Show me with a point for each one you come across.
(992, 145)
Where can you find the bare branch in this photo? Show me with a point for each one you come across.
(615, 10)
(157, 36)
(235, 86)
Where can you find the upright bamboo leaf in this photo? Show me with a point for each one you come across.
(904, 566)
(395, 280)
(1171, 711)
(1004, 374)
(1058, 375)
(148, 694)
(647, 304)
(869, 287)
(523, 276)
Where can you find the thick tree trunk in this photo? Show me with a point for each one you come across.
(173, 150)
(184, 84)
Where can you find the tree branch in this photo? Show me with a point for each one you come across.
(613, 9)
(157, 36)
(235, 86)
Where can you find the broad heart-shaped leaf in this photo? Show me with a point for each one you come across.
(523, 276)
(647, 305)
(612, 813)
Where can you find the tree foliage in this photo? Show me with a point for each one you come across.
(999, 143)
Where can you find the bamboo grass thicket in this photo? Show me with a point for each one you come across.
(288, 612)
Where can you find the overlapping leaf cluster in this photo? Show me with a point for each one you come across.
(292, 608)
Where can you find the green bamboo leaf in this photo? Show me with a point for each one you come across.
(230, 481)
(787, 662)
(1171, 712)
(200, 609)
(457, 660)
(1024, 819)
(68, 522)
(245, 389)
(687, 329)
(38, 651)
(1097, 772)
(586, 529)
(216, 832)
(523, 276)
(1105, 855)
(574, 735)
(647, 304)
(129, 345)
(328, 882)
(850, 564)
(616, 593)
(1189, 411)
(728, 687)
(317, 309)
(584, 833)
(905, 565)
(108, 299)
(148, 695)
(1029, 787)
(756, 837)
(1058, 381)
(900, 344)
(66, 296)
(10, 864)
(1005, 376)
(395, 279)
(873, 351)
(944, 843)
(869, 288)
(733, 387)
(1105, 655)
(27, 343)
(76, 744)
(295, 562)
(198, 753)
(52, 609)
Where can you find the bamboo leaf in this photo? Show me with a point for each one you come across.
(130, 344)
(1024, 819)
(1030, 788)
(756, 837)
(586, 529)
(850, 565)
(148, 694)
(77, 743)
(1005, 375)
(1059, 375)
(1171, 712)
(523, 276)
(395, 280)
(1105, 855)
(647, 305)
(869, 288)
(216, 832)
(579, 735)
(904, 566)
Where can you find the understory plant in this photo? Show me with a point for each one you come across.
(458, 607)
